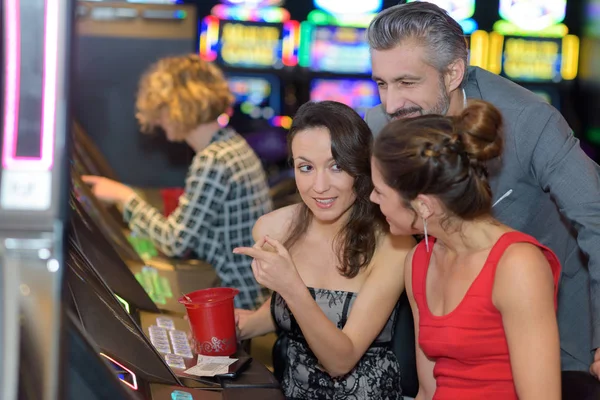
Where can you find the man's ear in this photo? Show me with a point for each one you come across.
(454, 75)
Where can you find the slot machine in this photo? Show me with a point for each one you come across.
(36, 63)
(335, 54)
(255, 43)
(532, 46)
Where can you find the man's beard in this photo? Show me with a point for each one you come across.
(441, 106)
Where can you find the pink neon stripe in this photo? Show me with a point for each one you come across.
(12, 69)
(135, 385)
(50, 84)
(46, 159)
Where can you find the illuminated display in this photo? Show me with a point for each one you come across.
(532, 17)
(153, 1)
(249, 44)
(334, 49)
(534, 59)
(179, 395)
(267, 14)
(28, 145)
(143, 246)
(124, 303)
(358, 94)
(125, 374)
(531, 59)
(344, 13)
(460, 10)
(157, 287)
(253, 3)
(348, 7)
(251, 10)
(256, 95)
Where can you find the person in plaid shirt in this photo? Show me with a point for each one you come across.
(226, 189)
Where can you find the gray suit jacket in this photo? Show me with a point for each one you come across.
(555, 198)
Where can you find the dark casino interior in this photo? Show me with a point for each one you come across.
(82, 295)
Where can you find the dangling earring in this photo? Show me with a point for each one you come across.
(426, 237)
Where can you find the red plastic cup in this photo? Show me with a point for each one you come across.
(212, 320)
(170, 198)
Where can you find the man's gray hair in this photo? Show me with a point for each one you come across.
(425, 23)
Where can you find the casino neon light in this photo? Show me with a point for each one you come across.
(12, 66)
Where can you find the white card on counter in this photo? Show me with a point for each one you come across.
(211, 366)
(165, 322)
(174, 361)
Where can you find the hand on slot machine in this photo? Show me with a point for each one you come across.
(107, 190)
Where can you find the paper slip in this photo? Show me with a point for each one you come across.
(211, 366)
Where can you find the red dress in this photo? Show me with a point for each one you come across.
(469, 343)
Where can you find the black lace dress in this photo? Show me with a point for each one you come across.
(375, 376)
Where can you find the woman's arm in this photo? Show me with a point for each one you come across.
(425, 366)
(255, 323)
(338, 350)
(524, 294)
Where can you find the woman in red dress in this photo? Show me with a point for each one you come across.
(483, 295)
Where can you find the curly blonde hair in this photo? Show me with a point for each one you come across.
(191, 91)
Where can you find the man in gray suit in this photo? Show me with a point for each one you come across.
(544, 184)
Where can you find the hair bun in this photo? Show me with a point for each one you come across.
(479, 126)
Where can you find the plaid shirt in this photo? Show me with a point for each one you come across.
(226, 191)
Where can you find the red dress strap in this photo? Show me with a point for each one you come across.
(420, 266)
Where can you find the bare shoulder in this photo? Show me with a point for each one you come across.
(521, 259)
(522, 272)
(392, 245)
(276, 224)
(390, 254)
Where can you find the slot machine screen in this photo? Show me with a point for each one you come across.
(532, 59)
(250, 44)
(339, 49)
(257, 96)
(360, 94)
(101, 255)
